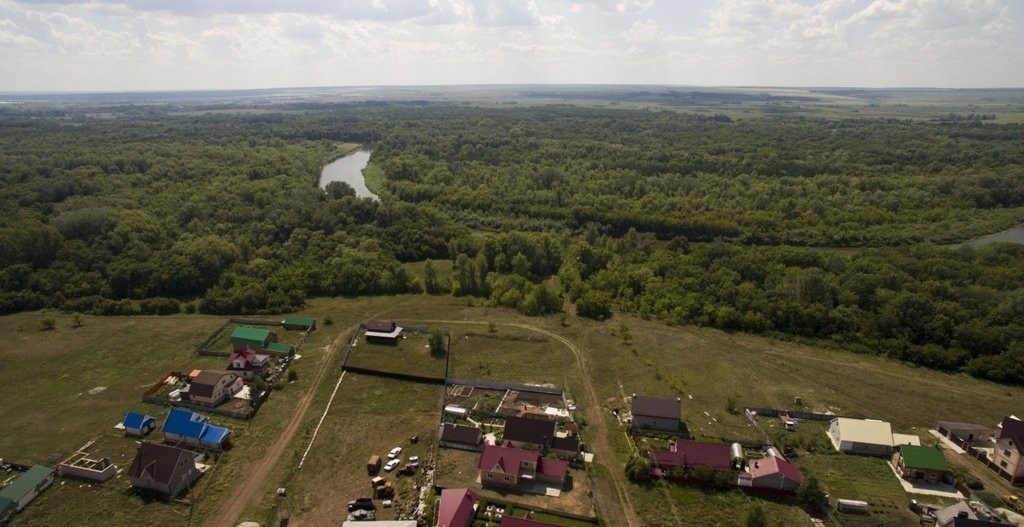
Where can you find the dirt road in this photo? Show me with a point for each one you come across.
(258, 476)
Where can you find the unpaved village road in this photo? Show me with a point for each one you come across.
(253, 483)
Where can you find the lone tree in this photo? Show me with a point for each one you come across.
(437, 347)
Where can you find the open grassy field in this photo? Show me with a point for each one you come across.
(49, 374)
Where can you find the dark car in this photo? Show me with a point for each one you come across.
(975, 484)
(361, 504)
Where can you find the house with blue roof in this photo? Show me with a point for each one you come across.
(191, 428)
(138, 425)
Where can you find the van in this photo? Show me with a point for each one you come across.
(373, 465)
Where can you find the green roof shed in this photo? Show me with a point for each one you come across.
(254, 337)
(299, 323)
(281, 348)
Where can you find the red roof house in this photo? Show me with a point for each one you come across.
(687, 454)
(457, 508)
(511, 467)
(248, 363)
(771, 473)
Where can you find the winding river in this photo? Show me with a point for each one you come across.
(350, 170)
(1014, 235)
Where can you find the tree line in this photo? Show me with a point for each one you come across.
(829, 230)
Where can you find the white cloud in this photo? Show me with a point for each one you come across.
(164, 44)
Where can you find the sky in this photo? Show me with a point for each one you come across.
(123, 45)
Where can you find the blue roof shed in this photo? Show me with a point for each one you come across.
(137, 424)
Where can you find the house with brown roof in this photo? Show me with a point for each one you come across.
(540, 435)
(249, 364)
(772, 473)
(164, 469)
(456, 508)
(527, 433)
(212, 387)
(686, 454)
(966, 434)
(512, 467)
(1008, 455)
(567, 447)
(460, 437)
(656, 413)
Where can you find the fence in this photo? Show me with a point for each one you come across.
(795, 414)
(394, 375)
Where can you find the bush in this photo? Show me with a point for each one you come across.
(437, 346)
(47, 324)
(328, 320)
(292, 375)
(638, 469)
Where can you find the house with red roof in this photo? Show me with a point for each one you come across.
(771, 473)
(686, 454)
(247, 363)
(512, 467)
(457, 508)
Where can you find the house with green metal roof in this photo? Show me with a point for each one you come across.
(257, 338)
(25, 489)
(298, 323)
(920, 463)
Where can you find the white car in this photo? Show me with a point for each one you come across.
(394, 452)
(392, 465)
(414, 460)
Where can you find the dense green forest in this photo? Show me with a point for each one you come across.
(831, 230)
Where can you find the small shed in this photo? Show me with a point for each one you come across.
(28, 485)
(299, 324)
(280, 349)
(373, 465)
(138, 425)
(382, 332)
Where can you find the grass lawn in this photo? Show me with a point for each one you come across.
(370, 415)
(862, 478)
(410, 355)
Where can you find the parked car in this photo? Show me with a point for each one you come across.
(394, 452)
(414, 460)
(391, 465)
(361, 504)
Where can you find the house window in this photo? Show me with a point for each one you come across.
(1006, 453)
(1002, 464)
(508, 478)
